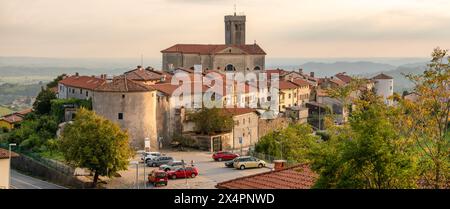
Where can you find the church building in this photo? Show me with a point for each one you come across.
(234, 55)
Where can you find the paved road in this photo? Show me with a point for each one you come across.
(20, 181)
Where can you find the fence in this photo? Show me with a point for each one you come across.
(269, 158)
(58, 166)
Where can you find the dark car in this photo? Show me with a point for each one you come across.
(157, 177)
(172, 165)
(223, 155)
(161, 160)
(230, 163)
(183, 173)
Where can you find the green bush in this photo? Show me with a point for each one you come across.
(57, 106)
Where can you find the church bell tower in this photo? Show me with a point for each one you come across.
(235, 29)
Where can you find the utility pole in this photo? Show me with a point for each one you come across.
(10, 145)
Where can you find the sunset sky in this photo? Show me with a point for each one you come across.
(284, 28)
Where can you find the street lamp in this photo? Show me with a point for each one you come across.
(137, 173)
(185, 176)
(10, 145)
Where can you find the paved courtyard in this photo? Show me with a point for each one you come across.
(210, 173)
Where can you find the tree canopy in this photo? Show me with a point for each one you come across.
(42, 105)
(212, 120)
(95, 143)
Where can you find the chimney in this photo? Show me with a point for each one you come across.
(76, 74)
(311, 74)
(300, 71)
(279, 164)
(139, 67)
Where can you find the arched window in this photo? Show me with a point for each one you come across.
(257, 68)
(230, 67)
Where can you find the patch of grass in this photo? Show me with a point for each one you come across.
(55, 155)
(4, 111)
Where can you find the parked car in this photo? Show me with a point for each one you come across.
(223, 155)
(157, 161)
(248, 162)
(149, 155)
(230, 163)
(157, 177)
(183, 172)
(171, 165)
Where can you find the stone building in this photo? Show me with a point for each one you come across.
(234, 55)
(245, 130)
(79, 87)
(132, 106)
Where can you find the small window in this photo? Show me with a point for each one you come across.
(87, 93)
(81, 91)
(123, 96)
(120, 116)
(73, 91)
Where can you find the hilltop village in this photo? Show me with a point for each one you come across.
(144, 102)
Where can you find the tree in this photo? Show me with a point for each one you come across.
(55, 81)
(95, 143)
(291, 143)
(367, 153)
(212, 120)
(427, 119)
(347, 93)
(42, 105)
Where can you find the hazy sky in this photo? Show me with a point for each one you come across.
(284, 28)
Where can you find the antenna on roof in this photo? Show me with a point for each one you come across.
(142, 60)
(235, 8)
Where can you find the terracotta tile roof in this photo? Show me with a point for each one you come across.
(344, 77)
(85, 82)
(141, 74)
(12, 118)
(300, 82)
(210, 49)
(25, 111)
(296, 177)
(123, 84)
(5, 154)
(168, 88)
(286, 85)
(382, 76)
(238, 111)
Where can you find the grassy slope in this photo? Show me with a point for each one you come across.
(4, 111)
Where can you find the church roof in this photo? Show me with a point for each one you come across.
(209, 49)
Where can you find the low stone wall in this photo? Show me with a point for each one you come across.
(34, 168)
(266, 126)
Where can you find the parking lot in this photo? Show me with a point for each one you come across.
(210, 173)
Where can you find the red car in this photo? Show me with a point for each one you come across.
(219, 156)
(158, 177)
(183, 173)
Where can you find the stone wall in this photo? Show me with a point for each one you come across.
(266, 126)
(37, 169)
(139, 114)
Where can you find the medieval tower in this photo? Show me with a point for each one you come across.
(235, 29)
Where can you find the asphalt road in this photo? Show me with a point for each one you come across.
(21, 181)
